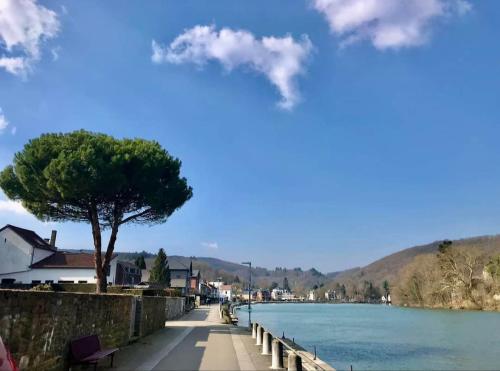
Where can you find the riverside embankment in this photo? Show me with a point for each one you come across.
(284, 352)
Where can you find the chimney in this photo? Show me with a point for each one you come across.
(53, 239)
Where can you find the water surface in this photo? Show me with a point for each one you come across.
(378, 337)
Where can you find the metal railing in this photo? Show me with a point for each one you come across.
(281, 347)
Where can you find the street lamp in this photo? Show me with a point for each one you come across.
(219, 280)
(249, 291)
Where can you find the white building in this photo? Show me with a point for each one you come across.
(282, 295)
(25, 257)
(226, 292)
(312, 295)
(330, 295)
(276, 294)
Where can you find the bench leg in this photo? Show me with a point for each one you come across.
(112, 358)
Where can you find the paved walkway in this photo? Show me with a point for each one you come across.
(198, 341)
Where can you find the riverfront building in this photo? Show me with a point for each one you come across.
(28, 258)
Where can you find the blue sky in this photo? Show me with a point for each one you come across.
(387, 137)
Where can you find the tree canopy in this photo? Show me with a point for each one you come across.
(160, 272)
(94, 178)
(286, 286)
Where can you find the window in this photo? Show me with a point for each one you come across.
(64, 281)
(82, 281)
(49, 281)
(8, 280)
(36, 282)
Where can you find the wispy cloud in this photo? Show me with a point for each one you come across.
(280, 59)
(55, 53)
(3, 121)
(24, 25)
(7, 206)
(387, 24)
(210, 245)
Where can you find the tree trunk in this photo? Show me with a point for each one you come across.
(106, 264)
(101, 284)
(101, 281)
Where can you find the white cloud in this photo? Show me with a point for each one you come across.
(3, 122)
(210, 245)
(12, 207)
(24, 25)
(280, 59)
(387, 23)
(13, 131)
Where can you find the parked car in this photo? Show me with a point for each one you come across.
(6, 361)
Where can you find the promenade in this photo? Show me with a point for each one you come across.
(198, 340)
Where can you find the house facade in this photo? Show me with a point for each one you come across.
(195, 282)
(330, 295)
(263, 295)
(282, 295)
(180, 276)
(25, 257)
(127, 274)
(226, 292)
(312, 295)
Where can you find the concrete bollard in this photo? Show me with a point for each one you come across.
(260, 332)
(254, 330)
(294, 362)
(266, 343)
(277, 356)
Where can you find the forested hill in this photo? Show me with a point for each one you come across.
(466, 274)
(391, 268)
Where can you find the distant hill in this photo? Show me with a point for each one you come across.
(390, 267)
(212, 268)
(387, 268)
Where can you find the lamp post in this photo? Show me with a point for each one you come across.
(249, 291)
(219, 280)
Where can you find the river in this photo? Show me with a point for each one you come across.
(378, 337)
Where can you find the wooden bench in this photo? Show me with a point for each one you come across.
(87, 350)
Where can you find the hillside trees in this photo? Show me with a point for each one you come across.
(451, 278)
(286, 286)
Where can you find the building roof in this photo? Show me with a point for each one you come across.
(30, 237)
(62, 259)
(196, 272)
(128, 264)
(177, 265)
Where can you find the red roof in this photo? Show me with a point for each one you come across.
(30, 237)
(61, 259)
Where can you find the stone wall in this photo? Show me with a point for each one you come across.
(153, 314)
(37, 326)
(174, 308)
